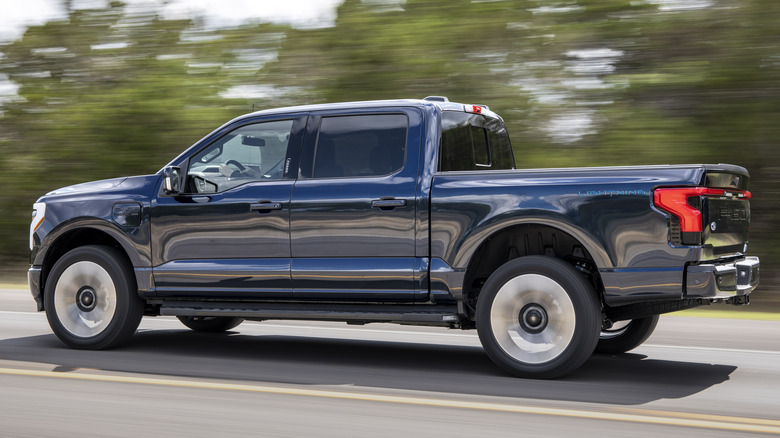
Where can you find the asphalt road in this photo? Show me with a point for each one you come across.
(694, 377)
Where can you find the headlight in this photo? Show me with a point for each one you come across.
(38, 213)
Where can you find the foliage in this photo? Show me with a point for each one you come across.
(115, 91)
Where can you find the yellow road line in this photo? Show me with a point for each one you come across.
(648, 417)
(711, 417)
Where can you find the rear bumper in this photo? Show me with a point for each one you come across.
(723, 281)
(732, 280)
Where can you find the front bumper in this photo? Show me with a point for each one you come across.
(34, 281)
(731, 281)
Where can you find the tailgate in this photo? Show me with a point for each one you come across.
(726, 215)
(714, 215)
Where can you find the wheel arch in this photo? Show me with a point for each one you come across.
(531, 238)
(82, 234)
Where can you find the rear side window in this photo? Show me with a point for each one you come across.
(474, 142)
(363, 145)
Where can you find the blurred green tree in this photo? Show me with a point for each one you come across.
(110, 92)
(117, 91)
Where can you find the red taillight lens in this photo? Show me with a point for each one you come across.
(675, 201)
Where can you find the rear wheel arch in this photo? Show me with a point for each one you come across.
(522, 240)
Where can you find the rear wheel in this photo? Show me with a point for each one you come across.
(91, 298)
(626, 335)
(538, 317)
(210, 323)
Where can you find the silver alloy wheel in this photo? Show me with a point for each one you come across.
(532, 318)
(617, 329)
(85, 299)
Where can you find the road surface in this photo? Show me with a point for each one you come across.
(694, 377)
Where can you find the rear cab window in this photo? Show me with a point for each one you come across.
(474, 142)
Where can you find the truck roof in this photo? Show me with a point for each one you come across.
(430, 102)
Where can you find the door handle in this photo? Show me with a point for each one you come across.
(388, 203)
(265, 206)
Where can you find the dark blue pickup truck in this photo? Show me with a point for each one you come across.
(407, 211)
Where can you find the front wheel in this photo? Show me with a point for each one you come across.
(626, 335)
(91, 299)
(212, 324)
(538, 317)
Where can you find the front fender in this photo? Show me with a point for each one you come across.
(133, 241)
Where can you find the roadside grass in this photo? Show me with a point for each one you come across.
(728, 314)
(13, 285)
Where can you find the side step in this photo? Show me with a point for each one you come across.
(413, 314)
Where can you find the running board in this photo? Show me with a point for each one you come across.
(352, 313)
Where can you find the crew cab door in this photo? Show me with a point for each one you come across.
(353, 210)
(226, 235)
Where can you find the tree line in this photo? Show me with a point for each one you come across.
(118, 91)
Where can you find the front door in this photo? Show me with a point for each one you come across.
(227, 234)
(353, 211)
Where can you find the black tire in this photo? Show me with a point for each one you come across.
(530, 301)
(91, 298)
(212, 324)
(626, 337)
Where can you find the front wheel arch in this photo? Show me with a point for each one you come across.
(92, 299)
(72, 238)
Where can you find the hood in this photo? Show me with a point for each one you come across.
(93, 186)
(128, 184)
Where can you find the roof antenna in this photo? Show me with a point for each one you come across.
(253, 107)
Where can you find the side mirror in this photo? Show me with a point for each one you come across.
(172, 180)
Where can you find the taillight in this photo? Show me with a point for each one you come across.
(684, 204)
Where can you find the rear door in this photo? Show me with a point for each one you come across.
(353, 210)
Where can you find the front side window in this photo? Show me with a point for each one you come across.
(474, 142)
(363, 145)
(250, 153)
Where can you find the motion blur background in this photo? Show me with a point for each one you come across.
(95, 89)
